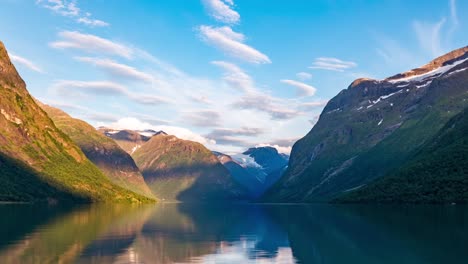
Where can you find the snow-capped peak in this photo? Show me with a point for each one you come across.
(430, 74)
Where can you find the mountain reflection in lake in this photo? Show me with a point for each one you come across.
(194, 233)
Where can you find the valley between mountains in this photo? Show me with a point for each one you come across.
(403, 139)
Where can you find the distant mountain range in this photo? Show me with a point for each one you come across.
(403, 139)
(386, 129)
(256, 169)
(130, 140)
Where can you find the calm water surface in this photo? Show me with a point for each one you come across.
(188, 233)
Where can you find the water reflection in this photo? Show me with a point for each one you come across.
(189, 233)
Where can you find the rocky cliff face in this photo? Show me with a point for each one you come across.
(37, 160)
(372, 127)
(181, 170)
(113, 161)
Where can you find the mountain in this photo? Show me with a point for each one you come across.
(256, 169)
(372, 128)
(38, 162)
(272, 163)
(183, 170)
(113, 161)
(130, 140)
(242, 174)
(438, 173)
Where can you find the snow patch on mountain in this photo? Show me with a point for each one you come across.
(457, 71)
(430, 74)
(246, 161)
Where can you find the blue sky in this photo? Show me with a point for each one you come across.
(230, 74)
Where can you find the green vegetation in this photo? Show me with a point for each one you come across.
(360, 138)
(38, 161)
(113, 161)
(437, 173)
(183, 170)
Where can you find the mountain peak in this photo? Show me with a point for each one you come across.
(263, 149)
(361, 81)
(448, 59)
(9, 77)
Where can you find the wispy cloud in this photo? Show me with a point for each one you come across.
(395, 54)
(25, 62)
(235, 136)
(105, 88)
(235, 76)
(222, 11)
(91, 44)
(92, 22)
(203, 118)
(118, 70)
(273, 106)
(303, 76)
(231, 43)
(453, 12)
(81, 111)
(332, 64)
(70, 9)
(429, 36)
(243, 131)
(311, 106)
(253, 98)
(302, 89)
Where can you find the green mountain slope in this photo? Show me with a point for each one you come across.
(438, 173)
(182, 170)
(113, 161)
(372, 128)
(38, 161)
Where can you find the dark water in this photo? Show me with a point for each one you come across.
(184, 233)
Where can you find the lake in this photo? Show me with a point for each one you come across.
(239, 233)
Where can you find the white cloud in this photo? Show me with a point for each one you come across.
(92, 22)
(281, 149)
(91, 44)
(273, 106)
(453, 12)
(96, 87)
(332, 64)
(182, 133)
(70, 9)
(310, 106)
(118, 70)
(253, 99)
(222, 11)
(106, 88)
(231, 43)
(25, 62)
(202, 118)
(302, 89)
(80, 111)
(235, 76)
(303, 76)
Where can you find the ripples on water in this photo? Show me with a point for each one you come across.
(190, 233)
